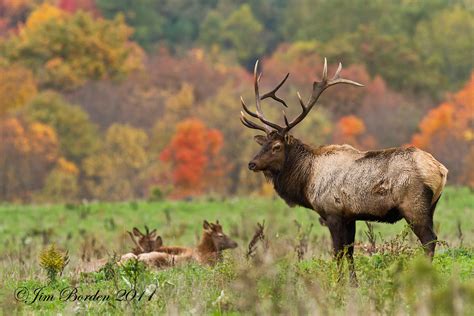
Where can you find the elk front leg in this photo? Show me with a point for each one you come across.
(342, 235)
(337, 230)
(350, 237)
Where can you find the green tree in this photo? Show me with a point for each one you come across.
(78, 135)
(446, 45)
(142, 15)
(243, 33)
(211, 29)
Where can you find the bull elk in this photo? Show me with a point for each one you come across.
(342, 184)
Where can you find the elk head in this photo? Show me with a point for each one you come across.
(220, 240)
(147, 242)
(272, 155)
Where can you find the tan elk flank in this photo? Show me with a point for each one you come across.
(343, 184)
(208, 251)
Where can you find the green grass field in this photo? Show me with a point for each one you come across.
(395, 279)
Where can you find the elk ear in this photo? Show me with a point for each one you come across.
(206, 225)
(137, 232)
(159, 240)
(288, 139)
(260, 139)
(152, 233)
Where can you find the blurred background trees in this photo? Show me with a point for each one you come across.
(115, 99)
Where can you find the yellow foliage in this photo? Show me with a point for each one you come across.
(12, 132)
(182, 101)
(44, 141)
(267, 190)
(65, 50)
(17, 87)
(44, 13)
(67, 166)
(53, 261)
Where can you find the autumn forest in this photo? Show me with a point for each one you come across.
(121, 100)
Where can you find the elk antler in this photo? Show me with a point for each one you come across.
(318, 88)
(135, 242)
(259, 113)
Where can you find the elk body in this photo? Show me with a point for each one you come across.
(342, 184)
(208, 251)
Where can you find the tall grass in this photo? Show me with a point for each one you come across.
(290, 270)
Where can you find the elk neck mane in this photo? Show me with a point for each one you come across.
(291, 181)
(206, 245)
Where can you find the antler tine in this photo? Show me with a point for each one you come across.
(256, 79)
(301, 101)
(325, 70)
(246, 109)
(135, 242)
(285, 118)
(251, 124)
(272, 93)
(337, 79)
(259, 112)
(318, 88)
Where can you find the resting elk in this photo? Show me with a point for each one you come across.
(342, 184)
(209, 250)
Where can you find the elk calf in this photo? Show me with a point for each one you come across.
(342, 184)
(208, 251)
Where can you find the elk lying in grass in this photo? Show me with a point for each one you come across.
(147, 242)
(208, 251)
(342, 184)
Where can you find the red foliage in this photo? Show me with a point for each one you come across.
(72, 6)
(194, 154)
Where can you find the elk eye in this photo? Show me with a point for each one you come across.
(276, 147)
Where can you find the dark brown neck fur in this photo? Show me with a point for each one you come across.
(292, 180)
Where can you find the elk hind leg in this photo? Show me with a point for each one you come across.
(420, 219)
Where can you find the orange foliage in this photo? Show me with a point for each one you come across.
(437, 122)
(454, 118)
(67, 167)
(351, 130)
(351, 126)
(194, 154)
(27, 154)
(447, 131)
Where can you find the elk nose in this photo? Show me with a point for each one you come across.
(252, 165)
